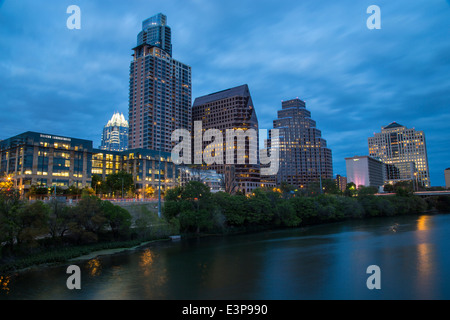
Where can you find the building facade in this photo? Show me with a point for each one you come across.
(160, 93)
(33, 158)
(40, 159)
(115, 134)
(212, 179)
(230, 109)
(304, 156)
(365, 171)
(404, 151)
(341, 182)
(149, 168)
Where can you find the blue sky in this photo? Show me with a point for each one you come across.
(354, 80)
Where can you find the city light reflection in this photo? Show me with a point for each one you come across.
(94, 267)
(4, 284)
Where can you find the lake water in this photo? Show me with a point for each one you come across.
(319, 262)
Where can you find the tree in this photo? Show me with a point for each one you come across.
(88, 220)
(192, 204)
(59, 219)
(350, 190)
(366, 191)
(233, 207)
(117, 218)
(31, 221)
(10, 204)
(149, 191)
(120, 183)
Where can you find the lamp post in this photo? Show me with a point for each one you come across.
(159, 184)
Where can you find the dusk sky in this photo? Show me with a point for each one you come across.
(354, 80)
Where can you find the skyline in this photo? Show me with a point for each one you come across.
(55, 80)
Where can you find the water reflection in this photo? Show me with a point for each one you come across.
(319, 262)
(4, 284)
(94, 266)
(153, 274)
(423, 223)
(146, 260)
(425, 257)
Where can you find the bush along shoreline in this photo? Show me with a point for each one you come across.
(196, 210)
(35, 233)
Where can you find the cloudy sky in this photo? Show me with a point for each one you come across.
(354, 80)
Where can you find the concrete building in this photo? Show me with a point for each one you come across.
(404, 150)
(341, 182)
(160, 93)
(304, 156)
(365, 171)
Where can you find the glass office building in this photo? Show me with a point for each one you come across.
(148, 167)
(33, 158)
(404, 151)
(40, 159)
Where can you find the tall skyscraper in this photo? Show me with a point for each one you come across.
(231, 109)
(404, 152)
(115, 134)
(160, 89)
(304, 156)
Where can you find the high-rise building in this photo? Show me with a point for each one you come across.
(231, 109)
(365, 171)
(160, 94)
(115, 134)
(404, 151)
(341, 182)
(304, 156)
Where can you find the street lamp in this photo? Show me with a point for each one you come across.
(159, 185)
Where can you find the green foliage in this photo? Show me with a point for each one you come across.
(120, 181)
(118, 218)
(443, 203)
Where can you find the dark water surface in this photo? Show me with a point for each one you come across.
(320, 262)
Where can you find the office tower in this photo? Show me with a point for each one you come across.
(404, 152)
(33, 158)
(341, 182)
(304, 156)
(115, 134)
(231, 109)
(160, 89)
(365, 171)
(143, 164)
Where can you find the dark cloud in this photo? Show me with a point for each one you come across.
(354, 80)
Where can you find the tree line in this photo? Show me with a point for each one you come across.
(33, 226)
(195, 209)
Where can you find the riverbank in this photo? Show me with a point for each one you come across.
(71, 254)
(304, 211)
(326, 261)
